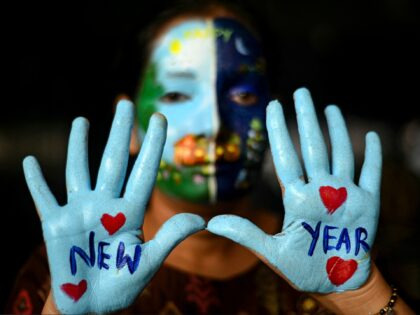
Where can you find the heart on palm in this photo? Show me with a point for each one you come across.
(74, 291)
(332, 198)
(113, 223)
(340, 270)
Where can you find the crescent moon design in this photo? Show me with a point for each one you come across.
(240, 46)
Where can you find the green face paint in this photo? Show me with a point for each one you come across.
(146, 100)
(187, 183)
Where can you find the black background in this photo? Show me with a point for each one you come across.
(362, 55)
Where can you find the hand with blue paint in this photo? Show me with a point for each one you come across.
(97, 260)
(330, 221)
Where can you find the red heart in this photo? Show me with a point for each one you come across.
(74, 291)
(339, 270)
(332, 198)
(113, 224)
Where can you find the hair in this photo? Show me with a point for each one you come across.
(138, 44)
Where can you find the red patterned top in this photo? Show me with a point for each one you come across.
(174, 292)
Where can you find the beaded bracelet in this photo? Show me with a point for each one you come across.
(387, 309)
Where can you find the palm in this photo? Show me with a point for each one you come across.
(98, 262)
(312, 235)
(330, 222)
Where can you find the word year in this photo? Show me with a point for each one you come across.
(334, 239)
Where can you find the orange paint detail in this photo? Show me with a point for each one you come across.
(191, 150)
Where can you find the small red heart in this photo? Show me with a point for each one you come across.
(332, 198)
(113, 224)
(339, 270)
(74, 291)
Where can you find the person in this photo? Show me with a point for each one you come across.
(202, 246)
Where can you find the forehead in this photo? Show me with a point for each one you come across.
(189, 44)
(184, 45)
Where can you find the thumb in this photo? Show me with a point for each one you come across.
(244, 232)
(172, 232)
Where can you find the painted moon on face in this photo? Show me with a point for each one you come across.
(240, 46)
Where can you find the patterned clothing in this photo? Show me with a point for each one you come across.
(173, 292)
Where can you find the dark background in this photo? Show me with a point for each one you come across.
(362, 55)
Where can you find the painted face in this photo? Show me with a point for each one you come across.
(207, 77)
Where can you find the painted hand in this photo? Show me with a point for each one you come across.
(330, 222)
(97, 261)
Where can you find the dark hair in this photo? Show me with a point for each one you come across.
(136, 49)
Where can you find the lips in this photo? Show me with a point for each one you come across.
(197, 150)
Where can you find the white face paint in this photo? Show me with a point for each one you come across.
(185, 59)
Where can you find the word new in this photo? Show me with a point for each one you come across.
(120, 262)
(360, 236)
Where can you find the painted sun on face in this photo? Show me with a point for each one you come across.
(207, 77)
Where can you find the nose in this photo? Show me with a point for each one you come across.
(208, 115)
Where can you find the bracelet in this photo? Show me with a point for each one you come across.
(387, 309)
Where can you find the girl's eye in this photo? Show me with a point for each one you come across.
(244, 98)
(174, 97)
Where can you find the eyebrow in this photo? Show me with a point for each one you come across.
(181, 74)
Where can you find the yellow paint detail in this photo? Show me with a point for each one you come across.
(210, 31)
(175, 46)
(199, 153)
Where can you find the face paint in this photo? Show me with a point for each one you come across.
(207, 77)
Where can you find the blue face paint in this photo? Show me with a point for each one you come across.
(242, 93)
(207, 77)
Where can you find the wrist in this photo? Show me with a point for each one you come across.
(49, 306)
(368, 299)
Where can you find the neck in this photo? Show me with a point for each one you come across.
(204, 253)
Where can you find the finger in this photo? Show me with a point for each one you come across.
(143, 175)
(342, 152)
(285, 158)
(172, 232)
(77, 168)
(370, 176)
(114, 161)
(244, 232)
(41, 194)
(314, 151)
